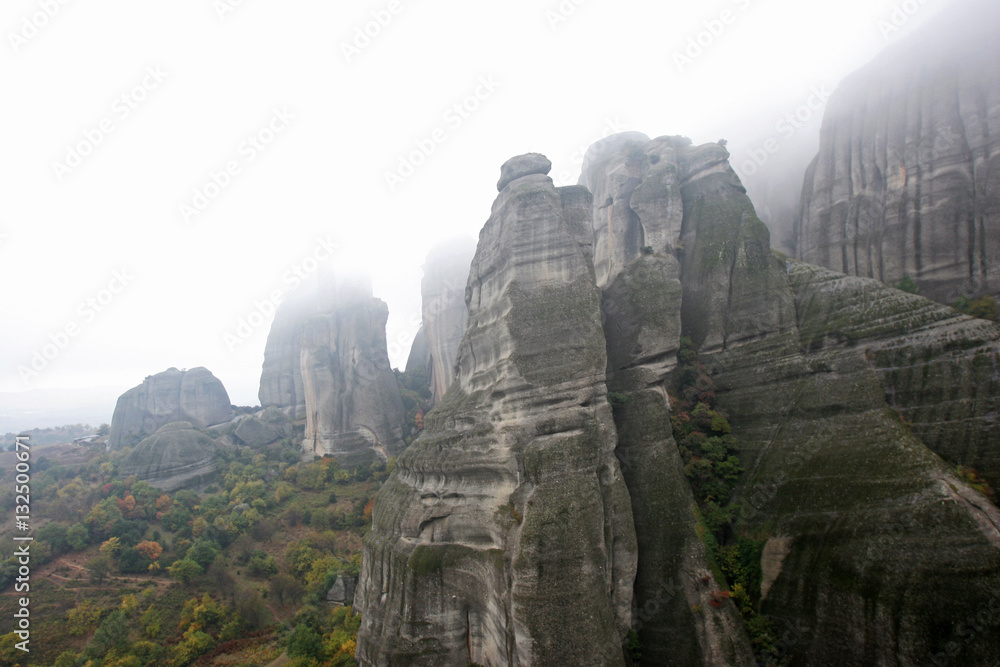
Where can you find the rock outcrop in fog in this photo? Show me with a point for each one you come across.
(444, 312)
(194, 396)
(506, 535)
(281, 376)
(907, 180)
(509, 535)
(326, 360)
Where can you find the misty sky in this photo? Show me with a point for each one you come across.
(170, 168)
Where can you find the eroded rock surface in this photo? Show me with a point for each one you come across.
(505, 537)
(354, 411)
(281, 377)
(176, 457)
(442, 292)
(194, 395)
(854, 403)
(907, 180)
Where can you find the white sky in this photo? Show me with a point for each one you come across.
(322, 177)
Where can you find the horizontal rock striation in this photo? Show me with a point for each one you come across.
(510, 535)
(505, 536)
(907, 180)
(175, 457)
(867, 530)
(194, 396)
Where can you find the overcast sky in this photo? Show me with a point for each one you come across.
(169, 168)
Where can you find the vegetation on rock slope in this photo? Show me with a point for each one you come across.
(123, 574)
(712, 465)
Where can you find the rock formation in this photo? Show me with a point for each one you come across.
(342, 591)
(507, 534)
(444, 314)
(326, 361)
(420, 355)
(642, 324)
(175, 457)
(263, 428)
(353, 407)
(281, 376)
(194, 396)
(907, 180)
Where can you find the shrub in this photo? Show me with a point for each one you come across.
(617, 399)
(304, 641)
(985, 307)
(907, 284)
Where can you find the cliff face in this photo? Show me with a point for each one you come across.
(281, 377)
(353, 407)
(326, 361)
(442, 294)
(194, 396)
(907, 180)
(853, 403)
(642, 310)
(505, 535)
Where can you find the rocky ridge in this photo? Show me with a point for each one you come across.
(853, 403)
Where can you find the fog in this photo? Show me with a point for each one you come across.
(172, 170)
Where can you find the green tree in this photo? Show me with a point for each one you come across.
(304, 642)
(56, 534)
(185, 570)
(203, 552)
(83, 618)
(99, 567)
(77, 536)
(112, 633)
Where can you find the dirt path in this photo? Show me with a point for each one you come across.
(72, 561)
(280, 661)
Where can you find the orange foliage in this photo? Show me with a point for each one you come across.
(164, 503)
(150, 550)
(126, 504)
